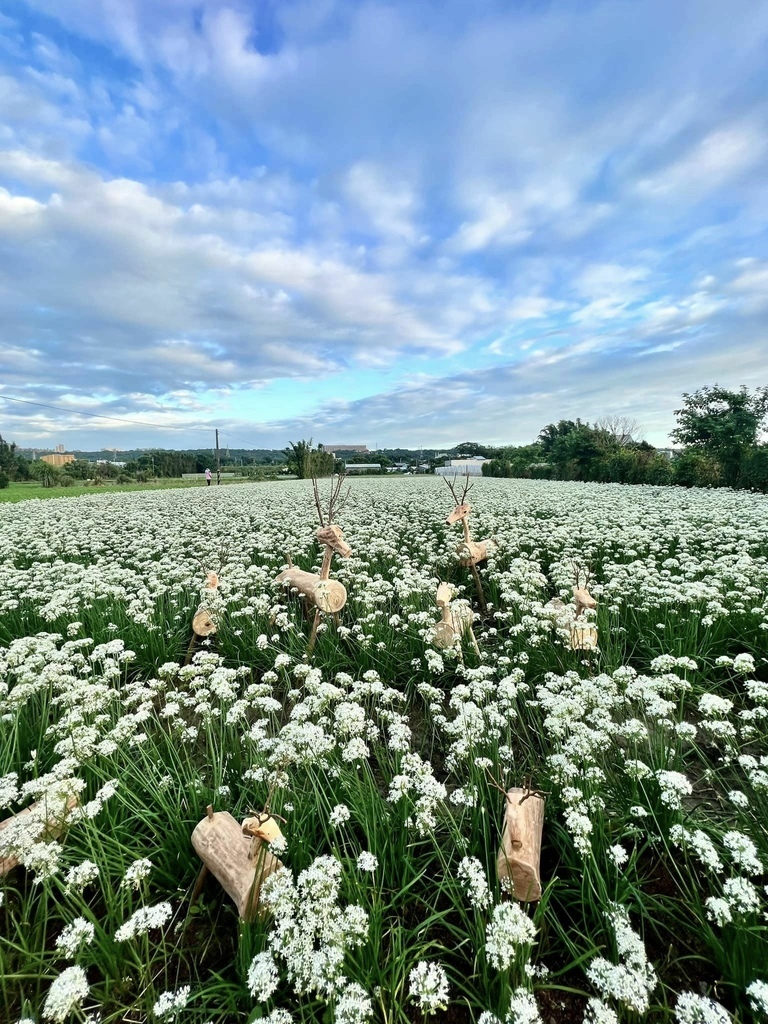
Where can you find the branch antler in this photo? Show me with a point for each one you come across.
(336, 500)
(452, 488)
(318, 503)
(578, 569)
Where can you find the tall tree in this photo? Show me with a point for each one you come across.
(553, 432)
(722, 423)
(625, 430)
(306, 461)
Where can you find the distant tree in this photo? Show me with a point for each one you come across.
(321, 463)
(578, 451)
(80, 469)
(11, 463)
(473, 448)
(625, 430)
(306, 461)
(723, 424)
(296, 457)
(553, 432)
(697, 469)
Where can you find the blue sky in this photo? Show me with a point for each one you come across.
(386, 223)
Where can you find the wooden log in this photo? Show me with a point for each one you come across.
(202, 623)
(51, 826)
(456, 622)
(444, 595)
(583, 636)
(471, 552)
(444, 635)
(326, 595)
(333, 537)
(239, 863)
(519, 856)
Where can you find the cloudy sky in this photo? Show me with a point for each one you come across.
(392, 223)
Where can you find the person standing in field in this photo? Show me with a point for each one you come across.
(208, 478)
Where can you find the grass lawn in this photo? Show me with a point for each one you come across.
(23, 489)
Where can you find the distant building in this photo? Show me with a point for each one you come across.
(59, 448)
(57, 458)
(334, 449)
(472, 466)
(361, 467)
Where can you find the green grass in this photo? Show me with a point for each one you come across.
(23, 490)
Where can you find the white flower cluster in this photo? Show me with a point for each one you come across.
(65, 994)
(472, 874)
(170, 1004)
(311, 933)
(136, 873)
(77, 934)
(633, 979)
(693, 1009)
(143, 920)
(509, 930)
(428, 987)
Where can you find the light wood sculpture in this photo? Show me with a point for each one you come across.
(204, 621)
(583, 633)
(238, 856)
(456, 620)
(470, 552)
(53, 817)
(518, 860)
(324, 594)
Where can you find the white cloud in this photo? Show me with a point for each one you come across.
(230, 192)
(130, 268)
(720, 156)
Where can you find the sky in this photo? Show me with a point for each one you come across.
(387, 223)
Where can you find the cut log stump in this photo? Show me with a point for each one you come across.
(519, 857)
(325, 595)
(238, 862)
(583, 636)
(471, 552)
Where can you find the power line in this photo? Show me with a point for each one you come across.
(103, 416)
(234, 437)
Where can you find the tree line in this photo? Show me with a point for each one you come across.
(719, 431)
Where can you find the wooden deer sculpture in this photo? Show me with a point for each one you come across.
(238, 856)
(470, 552)
(324, 594)
(583, 634)
(206, 619)
(455, 622)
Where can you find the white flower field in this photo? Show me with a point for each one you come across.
(384, 758)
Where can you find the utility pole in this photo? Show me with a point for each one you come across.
(218, 459)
